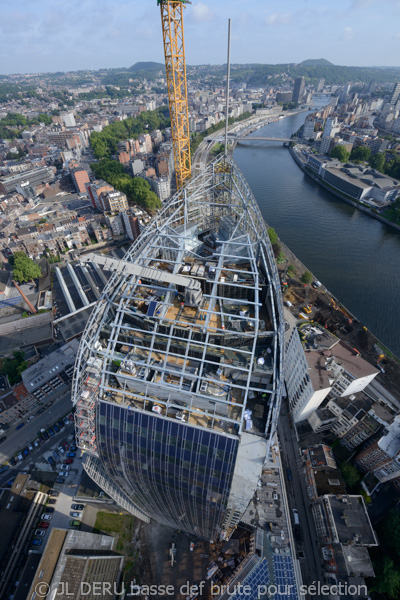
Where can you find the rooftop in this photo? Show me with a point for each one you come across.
(351, 520)
(321, 456)
(47, 368)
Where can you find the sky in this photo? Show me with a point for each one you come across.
(51, 35)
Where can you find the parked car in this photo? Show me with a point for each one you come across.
(77, 506)
(20, 457)
(20, 426)
(73, 448)
(12, 462)
(54, 493)
(65, 467)
(60, 480)
(71, 417)
(3, 439)
(61, 449)
(56, 428)
(57, 457)
(66, 421)
(65, 445)
(4, 468)
(36, 542)
(60, 424)
(63, 474)
(43, 525)
(36, 443)
(40, 532)
(52, 501)
(46, 517)
(30, 447)
(77, 515)
(51, 460)
(46, 435)
(50, 431)
(25, 451)
(75, 524)
(49, 509)
(71, 455)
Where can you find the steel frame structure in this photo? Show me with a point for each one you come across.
(244, 273)
(175, 65)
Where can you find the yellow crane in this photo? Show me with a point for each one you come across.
(175, 65)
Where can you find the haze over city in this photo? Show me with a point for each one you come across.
(45, 35)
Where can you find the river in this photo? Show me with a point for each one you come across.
(355, 256)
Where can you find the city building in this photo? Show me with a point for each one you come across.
(78, 564)
(344, 534)
(95, 190)
(331, 128)
(113, 201)
(80, 177)
(303, 398)
(355, 181)
(382, 456)
(189, 366)
(298, 89)
(395, 93)
(319, 364)
(68, 119)
(161, 186)
(131, 224)
(115, 223)
(32, 178)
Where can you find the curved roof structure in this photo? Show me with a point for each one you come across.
(178, 377)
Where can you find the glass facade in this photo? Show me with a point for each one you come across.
(174, 472)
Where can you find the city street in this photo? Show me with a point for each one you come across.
(298, 498)
(17, 440)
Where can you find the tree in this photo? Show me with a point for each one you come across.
(390, 531)
(350, 474)
(340, 153)
(273, 236)
(13, 367)
(307, 278)
(387, 580)
(377, 161)
(24, 268)
(360, 153)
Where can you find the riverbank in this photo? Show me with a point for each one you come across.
(332, 314)
(338, 194)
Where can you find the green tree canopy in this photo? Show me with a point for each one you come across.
(387, 580)
(13, 367)
(340, 153)
(273, 236)
(390, 531)
(350, 474)
(360, 153)
(24, 268)
(377, 161)
(136, 189)
(307, 278)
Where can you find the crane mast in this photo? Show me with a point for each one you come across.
(175, 65)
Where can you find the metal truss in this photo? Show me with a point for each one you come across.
(186, 353)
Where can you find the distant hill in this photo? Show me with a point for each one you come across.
(147, 66)
(316, 62)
